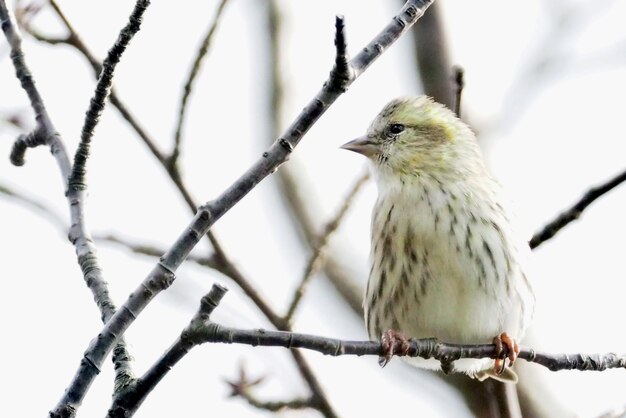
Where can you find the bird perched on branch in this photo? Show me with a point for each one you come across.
(446, 261)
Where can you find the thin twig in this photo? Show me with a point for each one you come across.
(317, 258)
(23, 16)
(30, 201)
(275, 406)
(574, 212)
(432, 56)
(459, 83)
(241, 388)
(193, 72)
(103, 88)
(162, 275)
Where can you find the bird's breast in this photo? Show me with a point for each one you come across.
(442, 264)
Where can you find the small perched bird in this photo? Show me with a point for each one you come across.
(446, 261)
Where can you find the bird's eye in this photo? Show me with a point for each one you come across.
(396, 128)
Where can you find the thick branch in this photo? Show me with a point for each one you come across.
(575, 211)
(162, 275)
(202, 330)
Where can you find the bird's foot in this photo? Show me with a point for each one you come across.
(393, 343)
(512, 350)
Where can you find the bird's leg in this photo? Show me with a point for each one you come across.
(393, 343)
(512, 350)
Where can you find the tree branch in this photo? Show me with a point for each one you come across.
(103, 88)
(292, 188)
(574, 212)
(241, 388)
(54, 218)
(220, 259)
(193, 72)
(202, 330)
(163, 274)
(74, 40)
(432, 57)
(458, 82)
(46, 134)
(425, 348)
(320, 401)
(317, 258)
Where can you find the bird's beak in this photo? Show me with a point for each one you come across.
(363, 145)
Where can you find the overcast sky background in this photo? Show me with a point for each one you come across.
(545, 91)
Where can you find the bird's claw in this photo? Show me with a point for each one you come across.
(393, 342)
(512, 350)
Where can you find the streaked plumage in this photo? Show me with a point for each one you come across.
(446, 261)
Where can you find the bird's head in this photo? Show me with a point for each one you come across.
(416, 135)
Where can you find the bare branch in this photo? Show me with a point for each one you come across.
(56, 219)
(318, 256)
(103, 88)
(202, 330)
(213, 262)
(23, 74)
(424, 348)
(31, 140)
(23, 17)
(241, 388)
(126, 403)
(78, 234)
(293, 191)
(195, 68)
(163, 274)
(74, 40)
(459, 83)
(432, 60)
(220, 258)
(574, 212)
(275, 406)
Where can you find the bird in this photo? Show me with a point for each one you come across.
(447, 260)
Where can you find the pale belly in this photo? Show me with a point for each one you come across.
(454, 278)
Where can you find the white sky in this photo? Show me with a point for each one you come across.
(545, 89)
